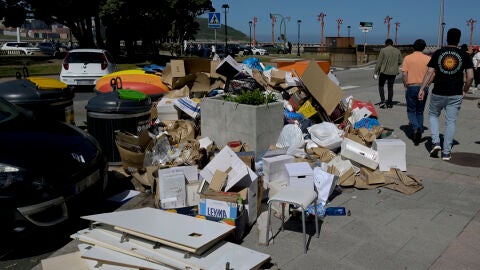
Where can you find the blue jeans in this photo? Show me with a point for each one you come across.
(451, 105)
(415, 107)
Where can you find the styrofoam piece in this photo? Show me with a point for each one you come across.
(359, 153)
(185, 232)
(274, 168)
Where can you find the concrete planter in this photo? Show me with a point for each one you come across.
(257, 125)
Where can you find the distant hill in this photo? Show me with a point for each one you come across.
(208, 34)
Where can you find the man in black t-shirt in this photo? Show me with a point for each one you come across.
(446, 68)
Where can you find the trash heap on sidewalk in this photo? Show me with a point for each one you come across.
(228, 135)
(269, 117)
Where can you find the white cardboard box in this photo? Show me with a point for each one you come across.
(166, 109)
(359, 153)
(391, 154)
(240, 173)
(274, 168)
(300, 174)
(171, 186)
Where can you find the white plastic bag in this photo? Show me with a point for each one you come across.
(326, 135)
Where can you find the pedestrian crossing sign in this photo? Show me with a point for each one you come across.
(214, 20)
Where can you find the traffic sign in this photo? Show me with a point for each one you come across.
(214, 20)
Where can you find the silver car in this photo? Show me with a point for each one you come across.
(20, 48)
(86, 66)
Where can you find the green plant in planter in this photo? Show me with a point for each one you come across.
(252, 97)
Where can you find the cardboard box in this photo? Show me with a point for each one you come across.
(166, 110)
(391, 154)
(228, 67)
(218, 209)
(248, 194)
(171, 188)
(274, 168)
(188, 106)
(277, 77)
(240, 223)
(240, 174)
(178, 68)
(300, 174)
(323, 90)
(359, 153)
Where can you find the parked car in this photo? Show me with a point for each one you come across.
(246, 50)
(86, 66)
(55, 49)
(46, 167)
(259, 51)
(22, 47)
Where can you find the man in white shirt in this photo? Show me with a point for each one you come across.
(476, 66)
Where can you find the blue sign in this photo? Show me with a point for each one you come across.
(214, 20)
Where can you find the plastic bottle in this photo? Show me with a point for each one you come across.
(335, 211)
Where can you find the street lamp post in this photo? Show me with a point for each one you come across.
(321, 18)
(443, 31)
(298, 39)
(397, 24)
(250, 41)
(471, 23)
(339, 22)
(225, 6)
(387, 21)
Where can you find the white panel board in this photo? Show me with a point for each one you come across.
(114, 258)
(216, 258)
(186, 232)
(69, 261)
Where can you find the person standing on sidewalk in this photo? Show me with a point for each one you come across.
(446, 68)
(476, 67)
(387, 67)
(414, 69)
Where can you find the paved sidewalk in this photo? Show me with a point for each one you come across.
(436, 228)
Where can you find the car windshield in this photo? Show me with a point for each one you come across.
(85, 57)
(7, 111)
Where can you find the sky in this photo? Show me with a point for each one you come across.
(416, 18)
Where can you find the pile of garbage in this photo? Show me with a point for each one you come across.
(317, 124)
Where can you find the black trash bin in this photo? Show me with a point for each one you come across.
(46, 98)
(123, 110)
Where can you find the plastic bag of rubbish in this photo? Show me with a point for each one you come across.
(320, 209)
(253, 63)
(326, 134)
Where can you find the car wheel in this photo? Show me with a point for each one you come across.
(257, 53)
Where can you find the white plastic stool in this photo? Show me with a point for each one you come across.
(300, 198)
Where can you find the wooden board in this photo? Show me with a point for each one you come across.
(114, 258)
(69, 261)
(216, 258)
(185, 232)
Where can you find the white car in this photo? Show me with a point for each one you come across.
(20, 47)
(258, 51)
(86, 66)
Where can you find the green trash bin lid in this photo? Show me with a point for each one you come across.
(129, 94)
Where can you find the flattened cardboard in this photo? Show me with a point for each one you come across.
(219, 179)
(325, 92)
(201, 83)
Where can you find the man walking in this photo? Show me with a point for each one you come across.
(387, 66)
(414, 69)
(446, 68)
